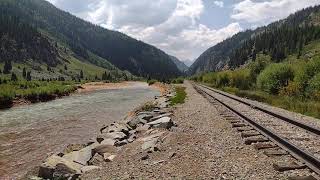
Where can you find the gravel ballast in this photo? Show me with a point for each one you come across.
(203, 146)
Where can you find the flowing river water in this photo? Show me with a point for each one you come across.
(28, 134)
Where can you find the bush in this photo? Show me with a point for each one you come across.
(293, 89)
(313, 90)
(275, 77)
(223, 79)
(179, 80)
(152, 81)
(240, 79)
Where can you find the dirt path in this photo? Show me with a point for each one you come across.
(203, 146)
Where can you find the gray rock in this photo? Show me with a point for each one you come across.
(108, 157)
(160, 116)
(134, 122)
(97, 159)
(150, 145)
(164, 122)
(110, 142)
(145, 157)
(132, 138)
(73, 147)
(58, 165)
(114, 136)
(82, 156)
(121, 143)
(116, 127)
(143, 128)
(85, 169)
(102, 148)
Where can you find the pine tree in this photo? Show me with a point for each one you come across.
(14, 77)
(81, 74)
(65, 67)
(28, 77)
(7, 67)
(24, 73)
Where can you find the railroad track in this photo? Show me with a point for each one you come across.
(276, 134)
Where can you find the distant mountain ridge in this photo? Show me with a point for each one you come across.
(279, 39)
(181, 66)
(86, 39)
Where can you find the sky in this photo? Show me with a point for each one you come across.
(182, 28)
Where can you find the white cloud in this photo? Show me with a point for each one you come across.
(171, 25)
(264, 12)
(219, 3)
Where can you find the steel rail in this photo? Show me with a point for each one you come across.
(305, 157)
(279, 116)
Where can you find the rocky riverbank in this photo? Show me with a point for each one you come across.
(146, 126)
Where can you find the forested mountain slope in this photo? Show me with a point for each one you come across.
(278, 40)
(84, 39)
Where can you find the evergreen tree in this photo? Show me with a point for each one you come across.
(7, 67)
(28, 77)
(24, 73)
(14, 77)
(65, 67)
(81, 74)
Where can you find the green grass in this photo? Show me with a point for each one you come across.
(299, 105)
(180, 96)
(33, 91)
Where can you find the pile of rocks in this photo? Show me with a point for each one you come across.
(143, 126)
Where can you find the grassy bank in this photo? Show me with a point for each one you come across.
(292, 84)
(180, 96)
(304, 106)
(33, 91)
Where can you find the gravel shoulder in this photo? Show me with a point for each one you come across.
(203, 146)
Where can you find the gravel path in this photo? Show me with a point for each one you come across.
(203, 146)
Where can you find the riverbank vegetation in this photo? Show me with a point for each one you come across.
(292, 84)
(180, 96)
(33, 91)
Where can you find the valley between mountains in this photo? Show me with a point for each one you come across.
(82, 100)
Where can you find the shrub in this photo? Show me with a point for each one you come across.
(313, 90)
(152, 81)
(223, 79)
(240, 79)
(293, 89)
(179, 80)
(275, 77)
(259, 65)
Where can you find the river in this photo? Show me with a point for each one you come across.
(30, 133)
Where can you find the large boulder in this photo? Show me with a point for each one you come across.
(59, 166)
(164, 122)
(82, 156)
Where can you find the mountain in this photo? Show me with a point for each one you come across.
(278, 40)
(181, 66)
(87, 42)
(188, 62)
